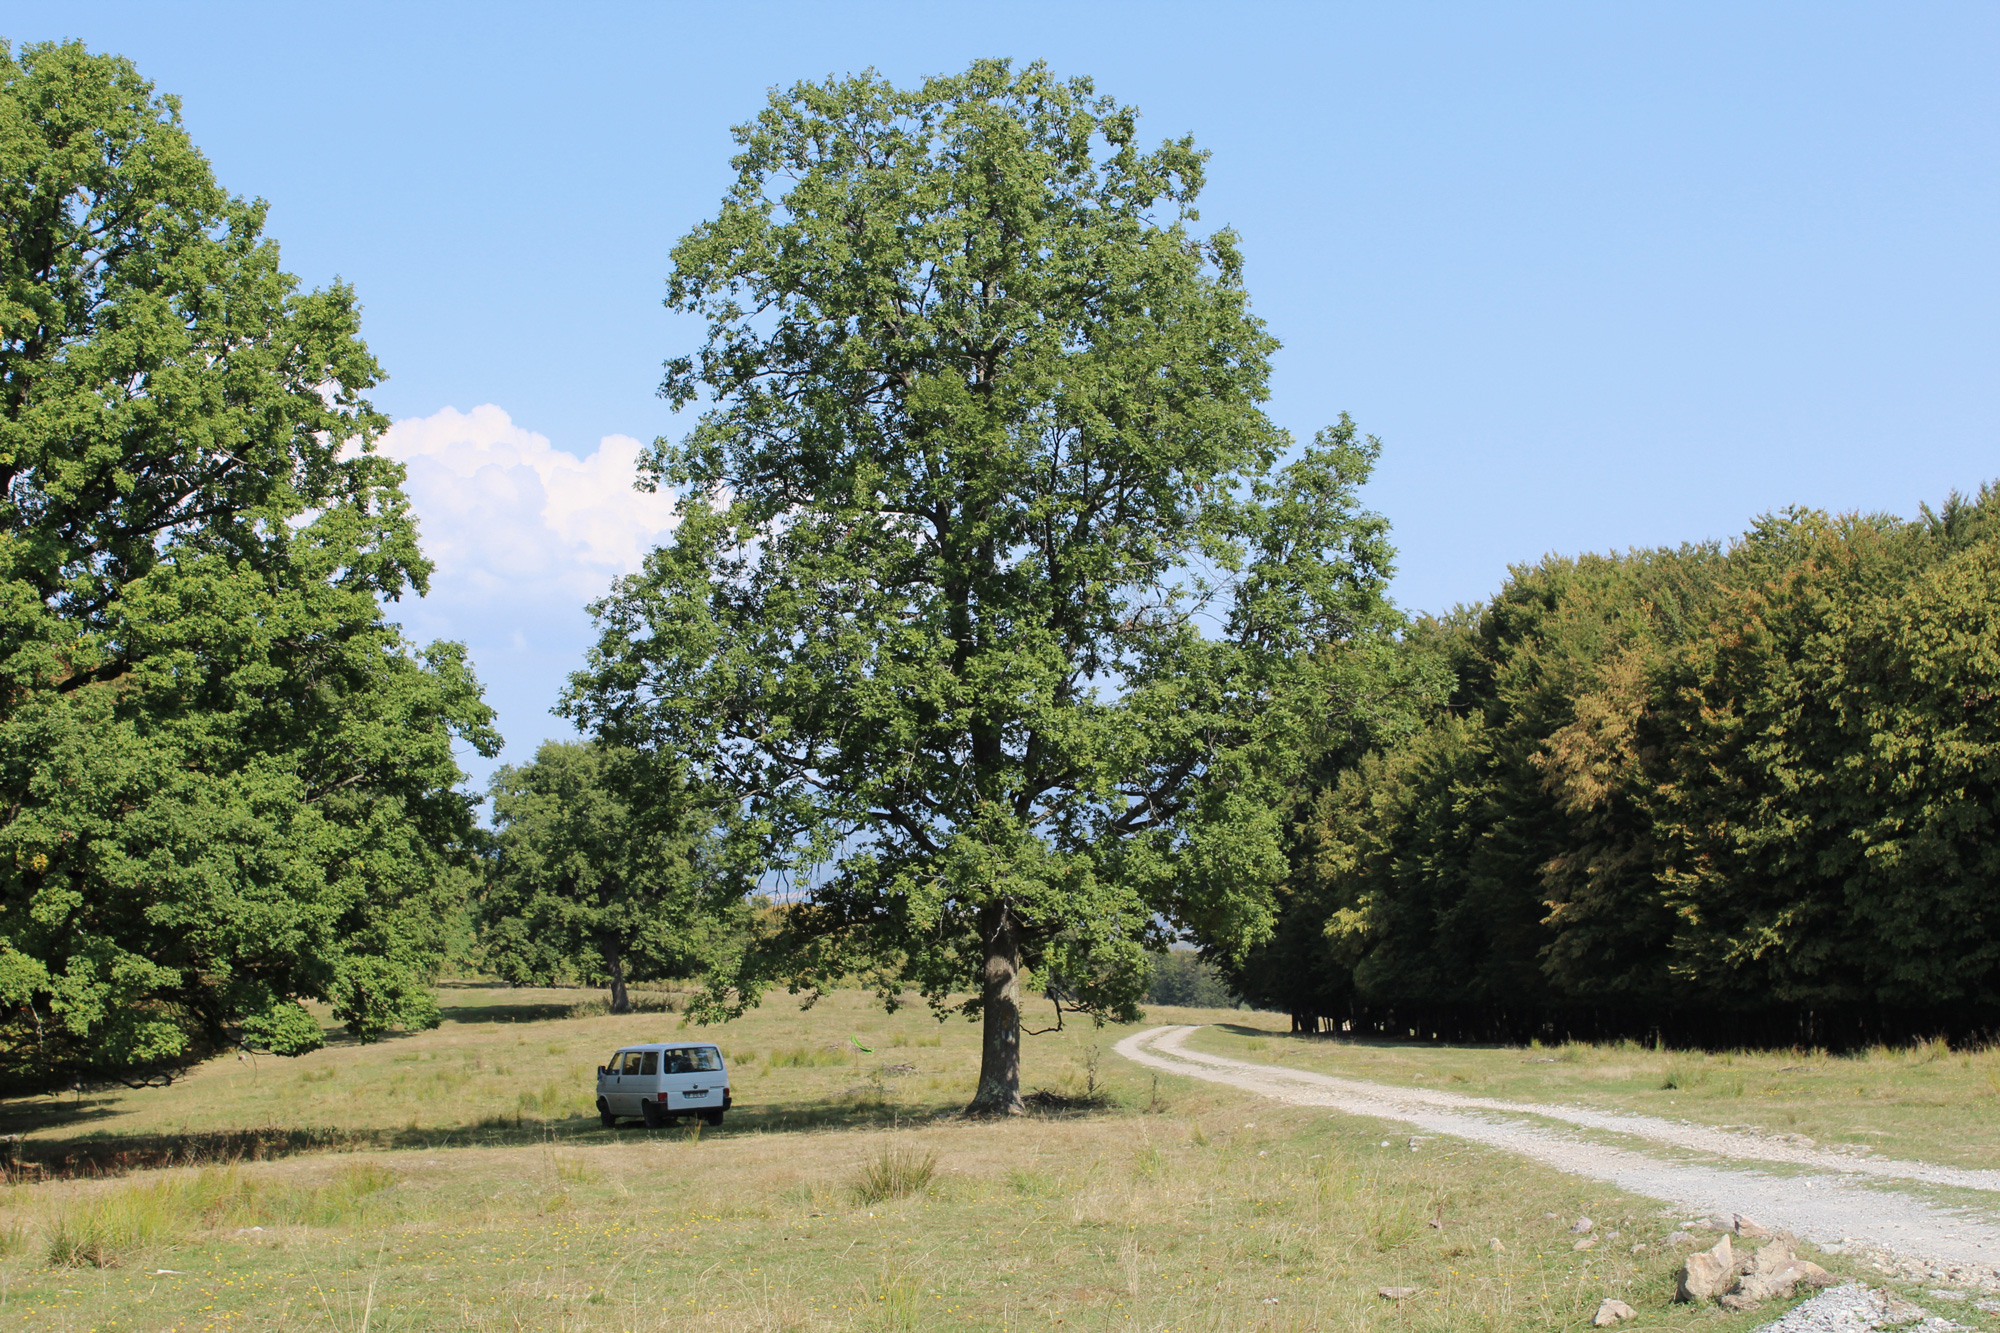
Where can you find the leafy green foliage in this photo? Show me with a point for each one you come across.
(606, 870)
(983, 459)
(1686, 782)
(1183, 977)
(228, 782)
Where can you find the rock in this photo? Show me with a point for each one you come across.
(1739, 1303)
(1395, 1293)
(1495, 1246)
(1707, 1274)
(1770, 1258)
(1639, 1249)
(1582, 1225)
(1743, 1226)
(1677, 1238)
(1610, 1312)
(1586, 1243)
(1774, 1272)
(1945, 1294)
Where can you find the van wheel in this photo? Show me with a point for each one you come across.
(712, 1117)
(604, 1116)
(650, 1113)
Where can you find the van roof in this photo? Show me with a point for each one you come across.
(666, 1045)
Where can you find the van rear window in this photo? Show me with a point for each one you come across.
(694, 1060)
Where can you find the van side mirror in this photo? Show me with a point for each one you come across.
(600, 1071)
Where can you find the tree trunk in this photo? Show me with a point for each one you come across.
(1000, 1007)
(614, 962)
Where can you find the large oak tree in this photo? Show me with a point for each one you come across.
(994, 597)
(226, 781)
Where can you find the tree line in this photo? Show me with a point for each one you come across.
(1718, 794)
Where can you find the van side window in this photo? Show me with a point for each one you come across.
(678, 1063)
(631, 1062)
(651, 1064)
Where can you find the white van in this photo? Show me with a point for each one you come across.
(663, 1081)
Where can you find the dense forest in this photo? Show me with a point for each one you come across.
(1715, 794)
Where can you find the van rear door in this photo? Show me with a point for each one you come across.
(694, 1079)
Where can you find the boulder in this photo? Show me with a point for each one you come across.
(1707, 1274)
(1774, 1272)
(1610, 1312)
(1496, 1246)
(1583, 1224)
(1743, 1226)
(1738, 1302)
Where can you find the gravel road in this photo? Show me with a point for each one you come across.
(1838, 1202)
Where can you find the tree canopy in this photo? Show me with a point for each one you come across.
(228, 781)
(1710, 794)
(994, 599)
(607, 869)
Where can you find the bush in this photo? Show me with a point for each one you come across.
(1184, 978)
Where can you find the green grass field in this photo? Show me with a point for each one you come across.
(1927, 1103)
(458, 1179)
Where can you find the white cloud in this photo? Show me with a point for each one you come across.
(503, 512)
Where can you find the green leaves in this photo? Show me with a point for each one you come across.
(982, 469)
(607, 869)
(229, 783)
(1686, 786)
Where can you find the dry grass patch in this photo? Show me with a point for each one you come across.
(1926, 1101)
(1180, 1206)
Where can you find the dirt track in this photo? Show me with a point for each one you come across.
(1838, 1202)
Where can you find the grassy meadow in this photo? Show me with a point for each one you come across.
(1927, 1102)
(458, 1179)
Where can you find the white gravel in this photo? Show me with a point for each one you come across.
(1832, 1205)
(1856, 1309)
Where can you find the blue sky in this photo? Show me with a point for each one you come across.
(1598, 275)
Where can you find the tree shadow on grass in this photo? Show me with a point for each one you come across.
(60, 1111)
(509, 1013)
(1370, 1039)
(107, 1155)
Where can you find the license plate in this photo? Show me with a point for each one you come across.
(696, 1092)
